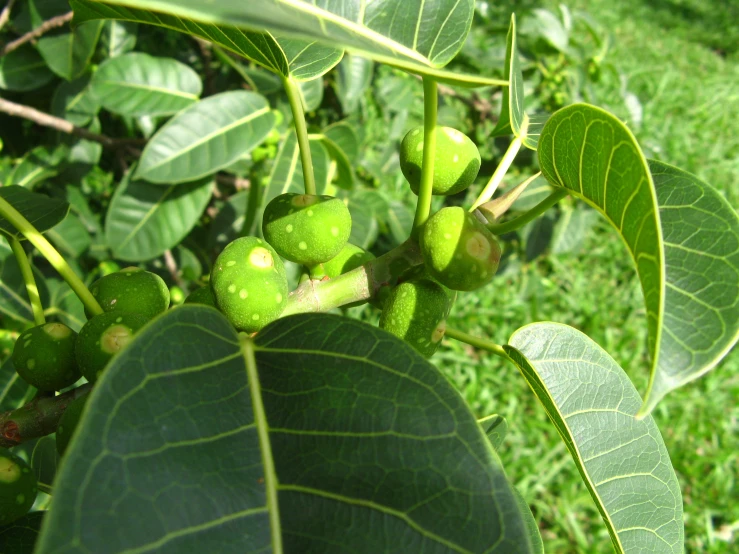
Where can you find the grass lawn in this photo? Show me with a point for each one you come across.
(682, 60)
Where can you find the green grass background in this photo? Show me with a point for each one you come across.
(681, 58)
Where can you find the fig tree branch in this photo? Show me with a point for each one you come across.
(38, 418)
(45, 27)
(359, 284)
(46, 120)
(5, 14)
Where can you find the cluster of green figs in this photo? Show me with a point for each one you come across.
(249, 285)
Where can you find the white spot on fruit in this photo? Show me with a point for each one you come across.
(261, 257)
(289, 228)
(415, 132)
(230, 263)
(310, 213)
(419, 147)
(232, 288)
(243, 293)
(278, 298)
(478, 246)
(438, 333)
(303, 245)
(115, 338)
(9, 470)
(455, 159)
(30, 364)
(57, 330)
(335, 231)
(255, 317)
(447, 236)
(455, 135)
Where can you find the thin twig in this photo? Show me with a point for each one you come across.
(171, 264)
(41, 118)
(239, 183)
(45, 27)
(5, 14)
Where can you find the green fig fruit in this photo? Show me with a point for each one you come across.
(68, 422)
(44, 357)
(350, 257)
(249, 283)
(456, 160)
(18, 487)
(102, 337)
(306, 229)
(202, 295)
(132, 290)
(416, 312)
(458, 250)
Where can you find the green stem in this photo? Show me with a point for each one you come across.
(359, 284)
(478, 343)
(500, 172)
(430, 106)
(296, 105)
(29, 280)
(17, 220)
(531, 215)
(38, 418)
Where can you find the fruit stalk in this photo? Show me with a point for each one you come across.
(499, 173)
(29, 280)
(38, 418)
(477, 342)
(430, 106)
(296, 105)
(359, 284)
(532, 214)
(17, 220)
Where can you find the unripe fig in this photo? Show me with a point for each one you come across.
(416, 312)
(350, 257)
(68, 422)
(306, 229)
(458, 250)
(132, 290)
(249, 284)
(102, 337)
(456, 161)
(44, 357)
(202, 295)
(18, 487)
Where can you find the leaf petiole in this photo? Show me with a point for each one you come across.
(51, 254)
(296, 105)
(477, 342)
(532, 214)
(430, 106)
(29, 280)
(499, 173)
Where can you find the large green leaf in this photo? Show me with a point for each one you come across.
(37, 165)
(73, 101)
(68, 53)
(623, 460)
(137, 84)
(594, 156)
(353, 78)
(70, 236)
(23, 69)
(322, 434)
(700, 233)
(206, 137)
(511, 109)
(117, 38)
(307, 60)
(414, 35)
(144, 220)
(42, 211)
(20, 536)
(44, 462)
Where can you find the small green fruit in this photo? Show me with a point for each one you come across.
(458, 250)
(68, 423)
(176, 296)
(306, 229)
(416, 312)
(456, 162)
(350, 257)
(44, 357)
(203, 295)
(132, 290)
(249, 284)
(18, 487)
(102, 337)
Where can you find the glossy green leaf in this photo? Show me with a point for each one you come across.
(137, 84)
(346, 137)
(68, 54)
(70, 236)
(532, 128)
(365, 228)
(64, 305)
(144, 220)
(23, 69)
(74, 102)
(616, 180)
(537, 544)
(36, 166)
(511, 110)
(352, 80)
(399, 218)
(213, 486)
(20, 536)
(344, 172)
(417, 36)
(229, 221)
(623, 460)
(700, 233)
(206, 137)
(117, 38)
(572, 228)
(42, 211)
(307, 60)
(311, 93)
(14, 391)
